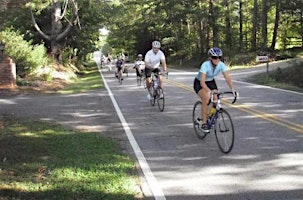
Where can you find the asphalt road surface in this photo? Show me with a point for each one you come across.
(265, 163)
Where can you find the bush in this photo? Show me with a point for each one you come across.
(26, 56)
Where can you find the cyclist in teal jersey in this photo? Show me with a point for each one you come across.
(204, 81)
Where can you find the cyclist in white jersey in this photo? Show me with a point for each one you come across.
(139, 65)
(204, 81)
(153, 59)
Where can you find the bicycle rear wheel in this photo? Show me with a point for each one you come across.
(161, 100)
(197, 113)
(139, 79)
(224, 131)
(144, 82)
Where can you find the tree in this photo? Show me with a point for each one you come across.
(57, 33)
(277, 21)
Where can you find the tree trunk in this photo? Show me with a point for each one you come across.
(255, 26)
(240, 25)
(228, 37)
(264, 24)
(277, 20)
(57, 34)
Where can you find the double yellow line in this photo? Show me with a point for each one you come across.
(266, 116)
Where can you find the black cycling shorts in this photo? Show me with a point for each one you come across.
(148, 72)
(210, 84)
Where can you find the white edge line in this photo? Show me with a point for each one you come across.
(150, 178)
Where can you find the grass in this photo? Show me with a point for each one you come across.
(39, 160)
(289, 78)
(88, 80)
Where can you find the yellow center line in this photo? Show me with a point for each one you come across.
(259, 114)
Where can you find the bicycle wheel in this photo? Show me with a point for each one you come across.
(139, 79)
(197, 113)
(161, 100)
(152, 95)
(144, 82)
(224, 131)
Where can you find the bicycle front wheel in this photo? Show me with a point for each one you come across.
(224, 131)
(152, 96)
(197, 114)
(160, 99)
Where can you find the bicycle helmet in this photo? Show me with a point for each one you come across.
(156, 44)
(215, 51)
(139, 56)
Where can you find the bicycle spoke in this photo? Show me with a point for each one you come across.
(224, 131)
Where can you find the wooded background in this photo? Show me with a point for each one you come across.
(186, 28)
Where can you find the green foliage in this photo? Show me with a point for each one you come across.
(27, 56)
(47, 161)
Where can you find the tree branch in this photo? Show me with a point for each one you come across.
(42, 34)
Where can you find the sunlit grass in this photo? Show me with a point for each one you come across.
(88, 80)
(44, 161)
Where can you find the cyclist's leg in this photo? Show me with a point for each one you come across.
(148, 77)
(204, 96)
(120, 72)
(161, 80)
(137, 72)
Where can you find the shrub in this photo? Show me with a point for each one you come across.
(26, 56)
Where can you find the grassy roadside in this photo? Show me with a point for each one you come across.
(46, 161)
(288, 78)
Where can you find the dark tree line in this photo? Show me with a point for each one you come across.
(186, 28)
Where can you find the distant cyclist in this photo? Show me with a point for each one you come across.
(139, 65)
(119, 67)
(153, 59)
(204, 81)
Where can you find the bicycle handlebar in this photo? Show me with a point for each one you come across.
(212, 93)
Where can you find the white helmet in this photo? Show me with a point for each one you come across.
(156, 44)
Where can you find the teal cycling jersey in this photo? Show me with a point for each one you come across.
(211, 73)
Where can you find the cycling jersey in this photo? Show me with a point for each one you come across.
(140, 64)
(154, 59)
(211, 73)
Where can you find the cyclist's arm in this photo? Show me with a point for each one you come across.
(163, 62)
(202, 82)
(228, 80)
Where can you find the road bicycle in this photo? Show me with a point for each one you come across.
(141, 78)
(119, 75)
(156, 92)
(219, 122)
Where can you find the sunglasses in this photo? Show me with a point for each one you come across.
(216, 57)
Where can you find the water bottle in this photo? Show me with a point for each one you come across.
(212, 111)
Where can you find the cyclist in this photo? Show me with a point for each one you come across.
(119, 66)
(139, 65)
(204, 81)
(153, 59)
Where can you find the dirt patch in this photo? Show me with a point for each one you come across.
(39, 87)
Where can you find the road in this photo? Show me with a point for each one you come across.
(265, 163)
